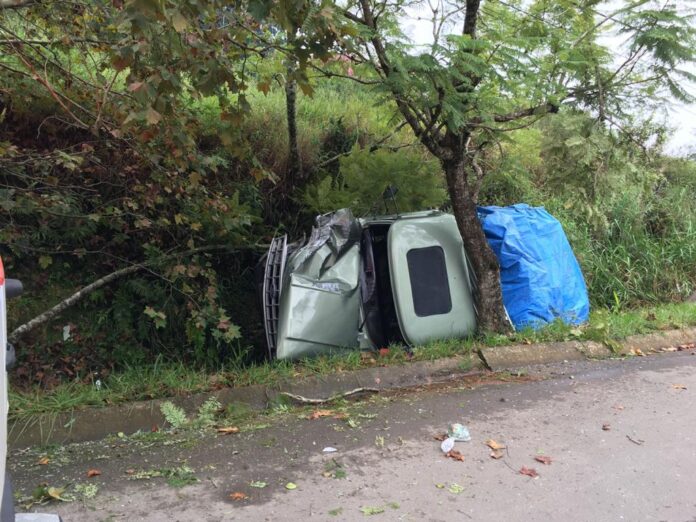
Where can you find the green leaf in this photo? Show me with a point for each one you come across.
(260, 9)
(455, 488)
(179, 22)
(372, 510)
(45, 261)
(174, 415)
(56, 493)
(159, 318)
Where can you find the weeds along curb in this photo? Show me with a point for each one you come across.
(517, 355)
(96, 423)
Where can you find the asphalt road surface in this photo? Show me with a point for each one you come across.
(620, 436)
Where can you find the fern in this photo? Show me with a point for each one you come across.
(208, 412)
(174, 415)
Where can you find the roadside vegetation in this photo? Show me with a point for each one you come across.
(128, 160)
(169, 379)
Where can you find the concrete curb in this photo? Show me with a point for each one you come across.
(96, 423)
(517, 355)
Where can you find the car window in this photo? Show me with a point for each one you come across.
(429, 281)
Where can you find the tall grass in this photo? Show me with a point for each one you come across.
(631, 264)
(327, 112)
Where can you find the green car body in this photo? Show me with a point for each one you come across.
(368, 283)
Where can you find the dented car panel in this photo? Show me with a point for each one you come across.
(368, 283)
(319, 302)
(320, 314)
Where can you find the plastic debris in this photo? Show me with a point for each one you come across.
(459, 433)
(329, 449)
(447, 445)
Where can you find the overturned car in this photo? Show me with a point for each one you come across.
(360, 283)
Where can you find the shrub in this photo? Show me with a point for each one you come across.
(364, 175)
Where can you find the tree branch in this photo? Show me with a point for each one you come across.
(85, 291)
(546, 108)
(70, 301)
(15, 4)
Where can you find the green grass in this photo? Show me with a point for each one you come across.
(330, 114)
(171, 379)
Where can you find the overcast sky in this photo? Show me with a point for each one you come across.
(679, 116)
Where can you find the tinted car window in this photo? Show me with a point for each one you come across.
(429, 282)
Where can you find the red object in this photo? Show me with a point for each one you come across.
(2, 273)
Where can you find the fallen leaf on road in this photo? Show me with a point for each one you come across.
(341, 416)
(494, 445)
(130, 471)
(440, 486)
(228, 430)
(290, 486)
(316, 414)
(530, 472)
(606, 426)
(238, 495)
(366, 358)
(497, 454)
(638, 352)
(679, 386)
(544, 459)
(369, 510)
(440, 437)
(455, 488)
(257, 484)
(43, 461)
(56, 493)
(93, 473)
(454, 454)
(688, 346)
(618, 407)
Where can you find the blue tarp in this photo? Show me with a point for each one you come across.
(541, 279)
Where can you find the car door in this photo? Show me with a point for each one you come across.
(430, 279)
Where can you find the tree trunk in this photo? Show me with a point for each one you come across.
(488, 294)
(294, 171)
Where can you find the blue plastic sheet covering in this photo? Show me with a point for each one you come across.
(541, 279)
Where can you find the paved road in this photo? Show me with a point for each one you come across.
(641, 468)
